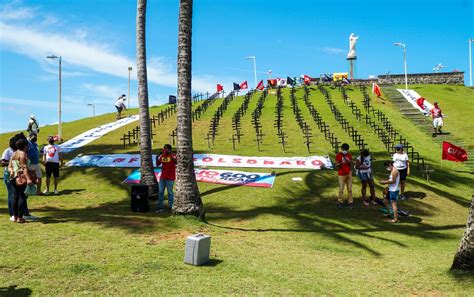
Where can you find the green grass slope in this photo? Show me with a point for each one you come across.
(288, 240)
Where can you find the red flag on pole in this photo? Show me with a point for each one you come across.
(220, 88)
(244, 85)
(453, 153)
(307, 79)
(376, 90)
(260, 86)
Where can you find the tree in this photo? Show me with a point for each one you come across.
(464, 258)
(187, 198)
(146, 159)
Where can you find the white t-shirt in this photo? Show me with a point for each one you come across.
(7, 155)
(400, 160)
(120, 102)
(52, 153)
(367, 163)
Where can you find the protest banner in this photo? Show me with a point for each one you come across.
(224, 177)
(93, 134)
(211, 160)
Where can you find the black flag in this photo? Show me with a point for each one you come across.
(290, 81)
(236, 87)
(345, 80)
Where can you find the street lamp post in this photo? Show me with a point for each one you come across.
(404, 61)
(129, 70)
(59, 95)
(269, 72)
(471, 40)
(254, 68)
(93, 108)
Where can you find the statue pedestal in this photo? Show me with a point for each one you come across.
(352, 68)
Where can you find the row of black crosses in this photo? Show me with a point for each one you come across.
(305, 128)
(278, 122)
(323, 127)
(351, 131)
(237, 117)
(133, 136)
(202, 108)
(256, 119)
(212, 132)
(392, 136)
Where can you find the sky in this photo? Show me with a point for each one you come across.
(96, 40)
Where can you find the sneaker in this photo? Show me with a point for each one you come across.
(351, 205)
(373, 202)
(30, 218)
(366, 203)
(46, 192)
(12, 218)
(160, 210)
(56, 192)
(340, 205)
(402, 197)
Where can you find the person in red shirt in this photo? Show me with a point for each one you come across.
(167, 161)
(344, 164)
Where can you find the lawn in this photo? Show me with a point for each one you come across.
(288, 240)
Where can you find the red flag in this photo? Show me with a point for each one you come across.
(307, 79)
(220, 88)
(453, 153)
(376, 90)
(272, 82)
(260, 86)
(244, 85)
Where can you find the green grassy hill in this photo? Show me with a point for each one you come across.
(288, 240)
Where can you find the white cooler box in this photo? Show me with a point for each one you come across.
(198, 247)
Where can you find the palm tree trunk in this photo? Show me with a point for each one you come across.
(146, 159)
(464, 258)
(187, 198)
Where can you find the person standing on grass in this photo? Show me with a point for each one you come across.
(167, 160)
(52, 160)
(120, 105)
(344, 164)
(402, 163)
(6, 156)
(392, 196)
(437, 116)
(19, 163)
(33, 155)
(33, 126)
(363, 167)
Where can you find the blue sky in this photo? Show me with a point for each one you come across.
(97, 42)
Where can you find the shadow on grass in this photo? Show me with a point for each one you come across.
(311, 209)
(15, 291)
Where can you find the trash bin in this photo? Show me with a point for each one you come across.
(198, 247)
(139, 201)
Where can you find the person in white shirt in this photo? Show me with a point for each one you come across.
(392, 195)
(33, 126)
(120, 105)
(6, 156)
(402, 163)
(363, 167)
(52, 160)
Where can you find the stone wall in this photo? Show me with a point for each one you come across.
(453, 78)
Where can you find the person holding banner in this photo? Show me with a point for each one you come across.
(167, 160)
(344, 164)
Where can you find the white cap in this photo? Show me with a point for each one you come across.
(32, 116)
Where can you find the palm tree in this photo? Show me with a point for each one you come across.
(146, 162)
(187, 198)
(464, 258)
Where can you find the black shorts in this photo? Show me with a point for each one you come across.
(52, 168)
(119, 109)
(403, 173)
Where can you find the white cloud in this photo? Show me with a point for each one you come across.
(97, 57)
(333, 50)
(13, 11)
